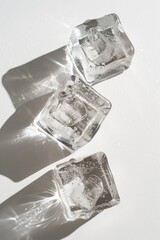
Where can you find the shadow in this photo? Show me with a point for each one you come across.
(24, 149)
(36, 213)
(38, 77)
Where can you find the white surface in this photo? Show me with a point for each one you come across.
(130, 134)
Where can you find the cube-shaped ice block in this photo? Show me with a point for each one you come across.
(74, 113)
(86, 186)
(100, 48)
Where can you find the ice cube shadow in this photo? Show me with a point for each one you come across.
(24, 149)
(19, 209)
(38, 77)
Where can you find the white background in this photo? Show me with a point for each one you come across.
(130, 134)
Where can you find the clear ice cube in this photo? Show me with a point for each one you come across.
(86, 186)
(100, 48)
(74, 113)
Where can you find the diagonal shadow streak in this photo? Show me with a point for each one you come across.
(38, 77)
(34, 214)
(23, 148)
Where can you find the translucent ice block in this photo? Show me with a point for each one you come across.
(100, 48)
(86, 186)
(74, 114)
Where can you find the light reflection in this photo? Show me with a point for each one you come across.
(38, 214)
(39, 77)
(28, 133)
(44, 208)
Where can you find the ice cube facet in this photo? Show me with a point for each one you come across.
(74, 114)
(86, 186)
(100, 48)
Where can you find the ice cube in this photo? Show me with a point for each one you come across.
(100, 48)
(74, 114)
(86, 186)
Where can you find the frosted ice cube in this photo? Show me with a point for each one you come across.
(100, 48)
(86, 186)
(74, 114)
